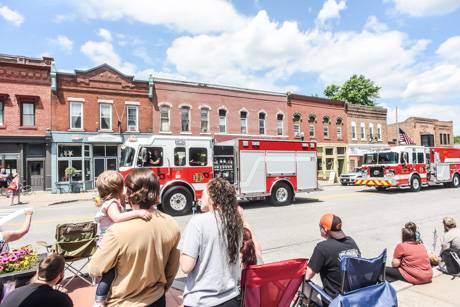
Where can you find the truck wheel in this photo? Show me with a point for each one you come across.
(456, 181)
(281, 194)
(415, 184)
(177, 201)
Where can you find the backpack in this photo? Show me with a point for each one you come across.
(451, 259)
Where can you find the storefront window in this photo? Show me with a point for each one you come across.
(62, 165)
(330, 164)
(87, 169)
(99, 151)
(320, 164)
(111, 151)
(69, 151)
(77, 165)
(329, 151)
(340, 150)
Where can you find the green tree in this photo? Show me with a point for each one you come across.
(457, 139)
(356, 90)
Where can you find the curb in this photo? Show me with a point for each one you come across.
(62, 202)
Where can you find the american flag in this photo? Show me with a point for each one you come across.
(404, 138)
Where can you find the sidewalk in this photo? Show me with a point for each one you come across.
(45, 198)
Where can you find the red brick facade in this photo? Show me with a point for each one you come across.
(98, 86)
(25, 80)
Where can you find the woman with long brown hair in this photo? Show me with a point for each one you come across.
(210, 249)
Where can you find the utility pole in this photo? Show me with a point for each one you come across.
(397, 128)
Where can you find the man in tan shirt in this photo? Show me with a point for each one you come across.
(144, 255)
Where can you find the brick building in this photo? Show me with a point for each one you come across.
(188, 108)
(93, 110)
(25, 118)
(367, 130)
(424, 131)
(324, 121)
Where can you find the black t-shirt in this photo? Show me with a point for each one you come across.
(326, 261)
(37, 295)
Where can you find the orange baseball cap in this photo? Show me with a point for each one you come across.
(331, 222)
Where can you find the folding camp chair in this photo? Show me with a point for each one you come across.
(363, 284)
(76, 242)
(272, 284)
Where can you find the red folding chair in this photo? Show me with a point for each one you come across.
(272, 284)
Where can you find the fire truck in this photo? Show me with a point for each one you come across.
(411, 167)
(274, 169)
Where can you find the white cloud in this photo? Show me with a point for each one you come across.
(264, 53)
(373, 24)
(64, 42)
(330, 10)
(420, 8)
(144, 55)
(450, 49)
(59, 18)
(11, 16)
(198, 16)
(105, 34)
(103, 52)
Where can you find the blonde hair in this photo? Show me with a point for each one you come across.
(109, 185)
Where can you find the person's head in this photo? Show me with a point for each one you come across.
(448, 223)
(109, 185)
(220, 196)
(408, 234)
(51, 269)
(412, 226)
(248, 249)
(330, 225)
(142, 188)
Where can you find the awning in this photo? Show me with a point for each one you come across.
(105, 138)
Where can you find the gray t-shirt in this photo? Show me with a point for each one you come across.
(214, 280)
(451, 239)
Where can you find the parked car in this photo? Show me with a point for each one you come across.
(349, 178)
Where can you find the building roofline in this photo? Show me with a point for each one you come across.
(30, 61)
(314, 98)
(104, 65)
(217, 86)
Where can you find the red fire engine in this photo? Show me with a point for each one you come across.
(258, 168)
(411, 167)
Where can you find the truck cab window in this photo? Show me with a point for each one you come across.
(150, 156)
(179, 156)
(404, 158)
(198, 157)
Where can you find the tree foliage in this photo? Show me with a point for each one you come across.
(457, 139)
(356, 90)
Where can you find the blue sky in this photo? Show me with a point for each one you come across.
(411, 48)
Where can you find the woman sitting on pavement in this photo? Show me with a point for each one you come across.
(210, 249)
(411, 262)
(450, 242)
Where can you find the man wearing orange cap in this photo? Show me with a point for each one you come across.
(326, 255)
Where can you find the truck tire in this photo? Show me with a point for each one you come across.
(177, 201)
(415, 183)
(282, 194)
(456, 181)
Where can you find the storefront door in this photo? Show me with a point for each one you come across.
(36, 178)
(104, 164)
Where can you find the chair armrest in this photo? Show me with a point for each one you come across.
(324, 296)
(45, 245)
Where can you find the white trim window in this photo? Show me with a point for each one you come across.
(279, 124)
(244, 122)
(296, 118)
(76, 115)
(27, 114)
(326, 132)
(105, 116)
(262, 123)
(353, 131)
(363, 131)
(164, 118)
(371, 132)
(326, 123)
(185, 119)
(339, 133)
(379, 132)
(204, 120)
(222, 120)
(2, 112)
(132, 118)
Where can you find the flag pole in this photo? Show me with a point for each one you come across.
(397, 128)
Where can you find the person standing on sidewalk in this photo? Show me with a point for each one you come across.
(143, 252)
(411, 262)
(210, 249)
(14, 189)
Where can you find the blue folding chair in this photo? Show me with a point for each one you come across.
(363, 284)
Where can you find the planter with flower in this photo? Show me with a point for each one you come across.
(18, 265)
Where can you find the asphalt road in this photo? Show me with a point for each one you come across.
(373, 219)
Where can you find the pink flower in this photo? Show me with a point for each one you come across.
(1, 268)
(13, 258)
(6, 259)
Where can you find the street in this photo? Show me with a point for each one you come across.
(374, 219)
